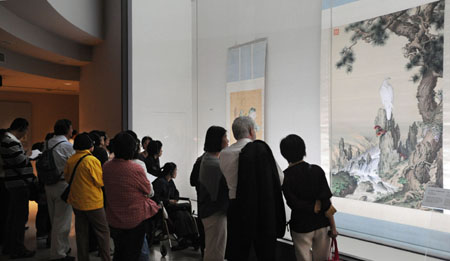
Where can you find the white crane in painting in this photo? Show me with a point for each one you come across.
(387, 97)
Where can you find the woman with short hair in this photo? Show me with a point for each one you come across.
(86, 197)
(307, 193)
(128, 205)
(154, 152)
(213, 195)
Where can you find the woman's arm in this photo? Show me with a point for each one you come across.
(333, 230)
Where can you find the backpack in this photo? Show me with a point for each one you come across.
(48, 173)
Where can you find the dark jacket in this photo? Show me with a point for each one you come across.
(152, 165)
(258, 195)
(195, 173)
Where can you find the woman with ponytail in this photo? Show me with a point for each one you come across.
(179, 213)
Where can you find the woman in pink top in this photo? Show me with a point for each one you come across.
(128, 206)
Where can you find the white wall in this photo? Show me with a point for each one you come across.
(179, 79)
(162, 80)
(293, 29)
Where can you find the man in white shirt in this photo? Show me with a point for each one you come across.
(244, 132)
(60, 212)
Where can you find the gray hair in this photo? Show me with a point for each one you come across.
(241, 127)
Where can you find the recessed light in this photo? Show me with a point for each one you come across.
(67, 83)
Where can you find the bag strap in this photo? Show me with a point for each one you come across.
(335, 255)
(55, 144)
(75, 168)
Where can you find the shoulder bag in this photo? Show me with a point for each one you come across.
(65, 194)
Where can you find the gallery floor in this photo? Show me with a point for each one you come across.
(347, 245)
(43, 253)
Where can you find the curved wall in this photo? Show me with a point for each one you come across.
(84, 14)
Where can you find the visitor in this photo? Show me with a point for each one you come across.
(60, 212)
(18, 174)
(307, 193)
(213, 195)
(154, 151)
(128, 206)
(86, 197)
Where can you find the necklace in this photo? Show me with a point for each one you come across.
(296, 163)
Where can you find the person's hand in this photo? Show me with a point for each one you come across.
(333, 233)
(173, 201)
(317, 206)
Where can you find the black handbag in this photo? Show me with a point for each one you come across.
(65, 194)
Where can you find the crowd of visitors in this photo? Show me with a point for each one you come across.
(117, 188)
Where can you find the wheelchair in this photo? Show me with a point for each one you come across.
(165, 232)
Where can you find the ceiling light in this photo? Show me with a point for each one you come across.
(67, 83)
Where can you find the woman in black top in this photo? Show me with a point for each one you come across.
(166, 192)
(154, 151)
(307, 193)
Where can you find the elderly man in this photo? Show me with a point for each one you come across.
(256, 215)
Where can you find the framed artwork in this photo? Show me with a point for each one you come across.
(383, 109)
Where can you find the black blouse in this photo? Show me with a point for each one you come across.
(152, 165)
(303, 185)
(165, 190)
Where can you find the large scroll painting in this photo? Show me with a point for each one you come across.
(245, 84)
(387, 106)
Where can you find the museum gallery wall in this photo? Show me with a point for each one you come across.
(383, 78)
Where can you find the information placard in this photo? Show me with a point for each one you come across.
(436, 198)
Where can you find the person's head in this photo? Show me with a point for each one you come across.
(49, 136)
(95, 138)
(145, 141)
(243, 127)
(83, 142)
(134, 135)
(154, 148)
(293, 148)
(74, 134)
(38, 146)
(104, 138)
(124, 146)
(169, 170)
(63, 127)
(216, 139)
(19, 127)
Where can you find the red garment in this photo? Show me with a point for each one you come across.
(126, 190)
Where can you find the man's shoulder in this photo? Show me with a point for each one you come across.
(8, 140)
(233, 148)
(60, 140)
